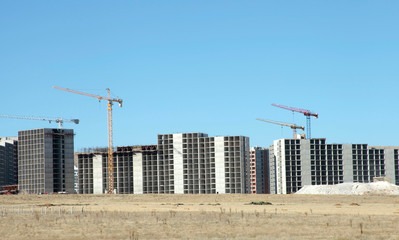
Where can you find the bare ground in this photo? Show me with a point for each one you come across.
(199, 217)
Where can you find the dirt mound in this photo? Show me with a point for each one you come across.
(375, 188)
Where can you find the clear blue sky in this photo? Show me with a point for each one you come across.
(203, 66)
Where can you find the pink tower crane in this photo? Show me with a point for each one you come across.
(305, 112)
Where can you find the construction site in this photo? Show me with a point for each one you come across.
(199, 120)
(132, 165)
(192, 185)
(190, 163)
(42, 161)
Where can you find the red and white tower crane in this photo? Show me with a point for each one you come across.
(305, 112)
(291, 125)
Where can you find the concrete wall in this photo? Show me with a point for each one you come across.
(389, 165)
(279, 149)
(272, 171)
(347, 162)
(219, 165)
(138, 173)
(305, 162)
(245, 165)
(48, 163)
(178, 162)
(68, 148)
(98, 175)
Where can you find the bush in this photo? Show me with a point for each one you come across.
(260, 203)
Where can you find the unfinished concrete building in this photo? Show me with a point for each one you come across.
(300, 162)
(195, 163)
(45, 160)
(180, 163)
(259, 170)
(134, 170)
(8, 161)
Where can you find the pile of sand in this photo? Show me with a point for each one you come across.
(375, 188)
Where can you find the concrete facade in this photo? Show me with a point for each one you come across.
(185, 163)
(76, 179)
(8, 161)
(150, 171)
(132, 171)
(220, 172)
(259, 170)
(45, 160)
(300, 162)
(199, 164)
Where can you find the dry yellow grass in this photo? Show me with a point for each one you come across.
(198, 217)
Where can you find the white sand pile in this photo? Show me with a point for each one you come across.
(375, 188)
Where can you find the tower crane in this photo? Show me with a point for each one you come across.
(60, 121)
(305, 112)
(291, 125)
(110, 133)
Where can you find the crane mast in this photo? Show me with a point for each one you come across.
(58, 120)
(110, 146)
(291, 125)
(109, 127)
(305, 112)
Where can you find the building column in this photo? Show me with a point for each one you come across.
(98, 174)
(178, 163)
(220, 176)
(138, 173)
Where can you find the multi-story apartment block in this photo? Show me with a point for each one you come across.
(8, 161)
(300, 162)
(135, 171)
(196, 163)
(259, 170)
(179, 163)
(45, 160)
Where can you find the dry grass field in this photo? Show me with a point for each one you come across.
(198, 217)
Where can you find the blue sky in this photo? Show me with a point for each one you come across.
(202, 66)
